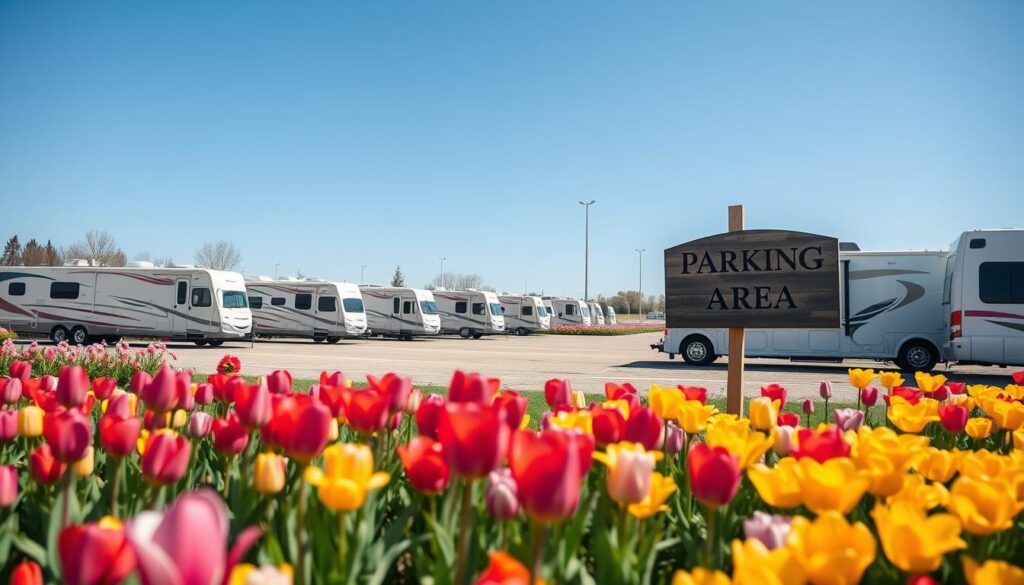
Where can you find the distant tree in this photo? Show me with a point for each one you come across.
(300, 275)
(398, 279)
(12, 252)
(163, 261)
(34, 254)
(458, 281)
(52, 255)
(661, 303)
(98, 248)
(143, 256)
(218, 256)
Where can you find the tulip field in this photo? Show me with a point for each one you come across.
(116, 467)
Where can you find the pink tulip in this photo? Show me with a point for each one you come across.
(279, 382)
(20, 370)
(184, 399)
(161, 394)
(204, 393)
(673, 438)
(784, 436)
(869, 396)
(252, 402)
(48, 383)
(140, 380)
(502, 502)
(68, 432)
(770, 529)
(8, 485)
(165, 458)
(199, 425)
(8, 425)
(825, 389)
(10, 390)
(808, 406)
(120, 406)
(848, 419)
(72, 386)
(169, 551)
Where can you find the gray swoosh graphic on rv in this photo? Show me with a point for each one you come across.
(184, 316)
(9, 275)
(862, 274)
(914, 292)
(1017, 326)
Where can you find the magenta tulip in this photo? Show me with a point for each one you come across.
(161, 394)
(10, 390)
(8, 485)
(72, 386)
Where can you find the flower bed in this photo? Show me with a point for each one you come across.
(621, 329)
(119, 362)
(6, 334)
(174, 481)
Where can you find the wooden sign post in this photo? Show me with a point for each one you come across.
(734, 383)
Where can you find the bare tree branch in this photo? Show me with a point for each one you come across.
(221, 255)
(98, 248)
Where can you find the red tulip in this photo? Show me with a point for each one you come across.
(548, 472)
(44, 467)
(72, 385)
(474, 437)
(161, 394)
(228, 365)
(252, 403)
(183, 397)
(229, 434)
(922, 580)
(10, 390)
(331, 396)
(396, 388)
(103, 387)
(221, 383)
(953, 417)
(395, 421)
(615, 391)
(47, 400)
(300, 425)
(472, 387)
(119, 434)
(775, 392)
(869, 395)
(514, 406)
(69, 434)
(1018, 377)
(956, 387)
(808, 406)
(714, 474)
(336, 379)
(821, 445)
(279, 382)
(608, 424)
(644, 426)
(789, 419)
(48, 383)
(504, 569)
(557, 392)
(8, 485)
(165, 457)
(204, 393)
(425, 465)
(26, 573)
(911, 395)
(21, 370)
(93, 555)
(428, 415)
(694, 393)
(140, 380)
(366, 411)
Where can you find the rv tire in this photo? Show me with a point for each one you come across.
(697, 350)
(79, 336)
(58, 334)
(522, 331)
(333, 339)
(215, 342)
(200, 342)
(477, 335)
(917, 355)
(465, 332)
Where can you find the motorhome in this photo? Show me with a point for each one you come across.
(609, 315)
(566, 311)
(596, 314)
(80, 304)
(309, 309)
(470, 313)
(400, 312)
(524, 314)
(890, 307)
(983, 298)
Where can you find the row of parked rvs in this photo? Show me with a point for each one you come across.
(81, 303)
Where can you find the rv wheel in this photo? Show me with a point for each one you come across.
(697, 350)
(58, 334)
(465, 332)
(522, 331)
(215, 342)
(200, 342)
(333, 339)
(917, 356)
(79, 336)
(477, 335)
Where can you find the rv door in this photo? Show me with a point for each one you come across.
(326, 316)
(179, 309)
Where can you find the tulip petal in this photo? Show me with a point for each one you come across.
(243, 543)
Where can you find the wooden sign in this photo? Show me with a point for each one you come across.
(753, 279)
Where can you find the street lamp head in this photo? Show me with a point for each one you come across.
(588, 203)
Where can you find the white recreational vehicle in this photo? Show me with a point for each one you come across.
(596, 314)
(83, 303)
(983, 298)
(609, 315)
(568, 311)
(400, 312)
(890, 306)
(524, 314)
(321, 311)
(470, 313)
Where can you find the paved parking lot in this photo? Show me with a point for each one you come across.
(527, 362)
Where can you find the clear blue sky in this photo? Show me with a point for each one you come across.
(325, 135)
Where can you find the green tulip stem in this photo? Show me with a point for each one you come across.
(461, 570)
(228, 459)
(300, 528)
(709, 542)
(342, 538)
(69, 492)
(115, 488)
(539, 534)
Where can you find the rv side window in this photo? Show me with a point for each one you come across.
(182, 293)
(947, 283)
(64, 290)
(1001, 283)
(303, 301)
(201, 297)
(977, 243)
(353, 305)
(461, 307)
(408, 307)
(570, 309)
(478, 308)
(16, 289)
(527, 311)
(327, 304)
(398, 305)
(255, 302)
(277, 301)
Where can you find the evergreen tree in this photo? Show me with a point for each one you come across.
(33, 254)
(398, 279)
(12, 252)
(52, 254)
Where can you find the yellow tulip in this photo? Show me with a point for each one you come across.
(984, 464)
(991, 572)
(984, 507)
(630, 468)
(661, 488)
(763, 415)
(140, 443)
(778, 486)
(859, 378)
(665, 402)
(579, 400)
(579, 420)
(754, 564)
(179, 418)
(913, 541)
(30, 421)
(920, 493)
(333, 430)
(1008, 416)
(929, 383)
(978, 428)
(830, 549)
(834, 485)
(936, 464)
(700, 576)
(1018, 440)
(884, 457)
(84, 466)
(1014, 391)
(347, 476)
(912, 418)
(890, 380)
(961, 399)
(693, 416)
(268, 473)
(748, 446)
(621, 405)
(249, 574)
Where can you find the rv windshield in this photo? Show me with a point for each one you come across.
(585, 312)
(353, 305)
(233, 299)
(542, 310)
(428, 307)
(496, 309)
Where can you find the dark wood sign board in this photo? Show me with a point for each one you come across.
(753, 279)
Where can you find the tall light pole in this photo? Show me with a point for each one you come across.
(362, 273)
(526, 286)
(275, 270)
(586, 250)
(641, 251)
(440, 282)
